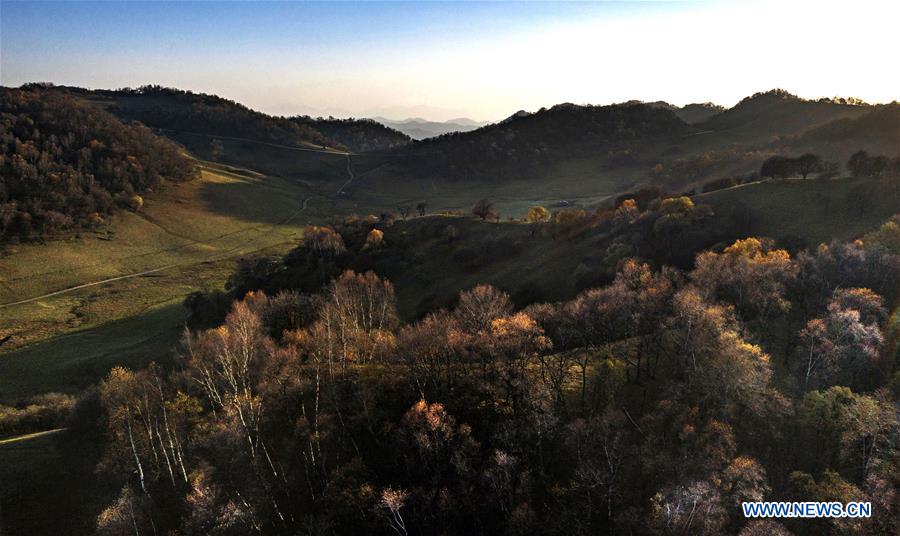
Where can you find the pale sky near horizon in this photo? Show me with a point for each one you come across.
(465, 59)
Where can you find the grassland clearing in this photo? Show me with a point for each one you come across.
(195, 232)
(813, 210)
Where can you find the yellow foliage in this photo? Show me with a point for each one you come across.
(673, 205)
(538, 214)
(374, 240)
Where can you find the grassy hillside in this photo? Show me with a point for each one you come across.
(32, 472)
(815, 211)
(577, 182)
(513, 256)
(186, 239)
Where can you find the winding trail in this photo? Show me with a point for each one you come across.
(349, 173)
(221, 256)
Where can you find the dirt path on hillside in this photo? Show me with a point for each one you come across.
(221, 256)
(33, 435)
(349, 174)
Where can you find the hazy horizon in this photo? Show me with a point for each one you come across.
(437, 61)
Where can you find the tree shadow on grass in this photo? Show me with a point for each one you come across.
(70, 363)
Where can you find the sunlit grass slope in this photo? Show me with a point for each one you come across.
(188, 238)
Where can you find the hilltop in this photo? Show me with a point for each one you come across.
(689, 113)
(764, 116)
(179, 112)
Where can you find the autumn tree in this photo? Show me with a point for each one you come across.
(374, 240)
(842, 346)
(721, 371)
(538, 214)
(484, 209)
(750, 273)
(688, 508)
(357, 320)
(626, 213)
(479, 306)
(324, 242)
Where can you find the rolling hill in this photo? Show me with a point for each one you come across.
(65, 165)
(698, 112)
(526, 145)
(763, 117)
(877, 131)
(181, 111)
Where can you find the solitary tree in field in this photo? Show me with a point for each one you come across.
(484, 209)
(809, 163)
(538, 214)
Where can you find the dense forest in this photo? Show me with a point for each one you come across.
(179, 110)
(65, 165)
(653, 403)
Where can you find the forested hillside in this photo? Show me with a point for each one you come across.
(185, 111)
(179, 110)
(65, 165)
(526, 145)
(654, 404)
(358, 135)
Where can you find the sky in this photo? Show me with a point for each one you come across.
(443, 60)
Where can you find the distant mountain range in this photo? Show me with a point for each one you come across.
(420, 129)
